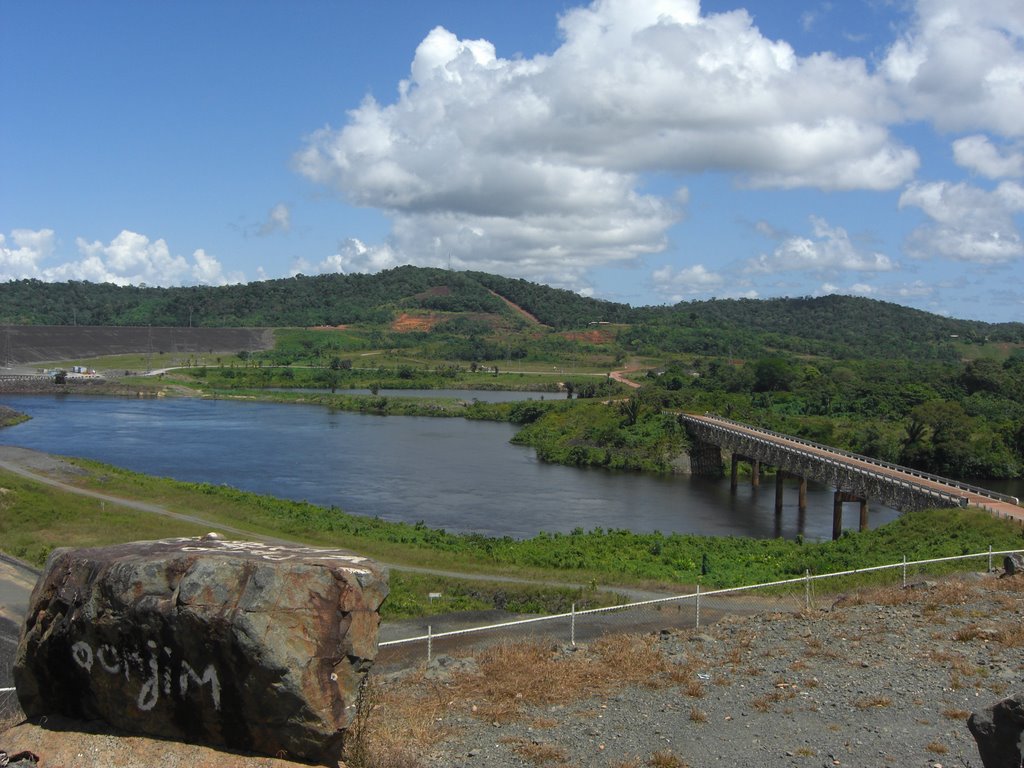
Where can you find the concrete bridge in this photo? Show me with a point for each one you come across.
(855, 478)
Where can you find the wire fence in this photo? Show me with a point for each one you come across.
(686, 611)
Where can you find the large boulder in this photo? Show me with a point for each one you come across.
(1013, 563)
(251, 646)
(999, 733)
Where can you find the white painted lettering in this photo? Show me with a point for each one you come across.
(154, 667)
(107, 656)
(209, 676)
(82, 654)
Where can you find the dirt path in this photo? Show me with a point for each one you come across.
(620, 375)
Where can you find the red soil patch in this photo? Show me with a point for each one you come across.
(592, 337)
(406, 323)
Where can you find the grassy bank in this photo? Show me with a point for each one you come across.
(36, 519)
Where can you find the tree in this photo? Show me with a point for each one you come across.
(630, 409)
(772, 374)
(331, 377)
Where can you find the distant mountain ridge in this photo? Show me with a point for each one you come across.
(325, 300)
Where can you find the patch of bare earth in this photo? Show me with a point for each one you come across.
(406, 323)
(590, 337)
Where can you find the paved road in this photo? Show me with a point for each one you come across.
(16, 582)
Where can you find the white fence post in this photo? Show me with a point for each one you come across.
(990, 558)
(572, 626)
(904, 571)
(698, 607)
(430, 643)
(807, 589)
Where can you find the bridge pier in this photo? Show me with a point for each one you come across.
(838, 500)
(780, 479)
(755, 471)
(706, 459)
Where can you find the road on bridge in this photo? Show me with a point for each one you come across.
(996, 506)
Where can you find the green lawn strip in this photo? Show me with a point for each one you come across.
(35, 519)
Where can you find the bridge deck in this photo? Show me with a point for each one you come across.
(998, 507)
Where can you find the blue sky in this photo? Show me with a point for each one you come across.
(645, 151)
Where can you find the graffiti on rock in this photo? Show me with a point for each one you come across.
(272, 552)
(157, 671)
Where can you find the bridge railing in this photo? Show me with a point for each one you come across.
(859, 457)
(943, 496)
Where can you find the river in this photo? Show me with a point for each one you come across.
(448, 472)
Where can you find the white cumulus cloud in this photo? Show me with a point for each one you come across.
(279, 219)
(355, 256)
(20, 258)
(978, 154)
(961, 65)
(534, 166)
(129, 259)
(829, 250)
(966, 223)
(697, 281)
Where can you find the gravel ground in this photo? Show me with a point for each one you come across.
(857, 685)
(886, 678)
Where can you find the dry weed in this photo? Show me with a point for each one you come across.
(872, 702)
(511, 676)
(636, 659)
(1014, 585)
(392, 727)
(665, 759)
(538, 752)
(968, 633)
(694, 689)
(764, 703)
(698, 715)
(936, 747)
(1011, 637)
(956, 714)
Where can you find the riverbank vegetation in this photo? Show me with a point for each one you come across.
(36, 518)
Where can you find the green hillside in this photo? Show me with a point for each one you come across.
(834, 326)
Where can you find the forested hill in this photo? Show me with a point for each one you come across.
(837, 325)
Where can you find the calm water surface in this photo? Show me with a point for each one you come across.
(448, 472)
(483, 395)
